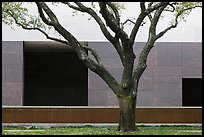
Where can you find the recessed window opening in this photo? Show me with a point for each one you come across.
(192, 92)
(53, 76)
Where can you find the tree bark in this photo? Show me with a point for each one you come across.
(127, 113)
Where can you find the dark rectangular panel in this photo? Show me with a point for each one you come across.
(192, 92)
(54, 79)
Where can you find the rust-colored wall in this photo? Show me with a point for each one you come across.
(99, 115)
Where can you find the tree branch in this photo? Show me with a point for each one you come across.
(80, 50)
(91, 12)
(46, 21)
(111, 22)
(150, 4)
(142, 6)
(160, 34)
(132, 22)
(173, 8)
(54, 22)
(113, 40)
(72, 6)
(127, 21)
(155, 19)
(68, 36)
(93, 52)
(141, 66)
(142, 63)
(49, 12)
(117, 16)
(140, 19)
(149, 15)
(119, 49)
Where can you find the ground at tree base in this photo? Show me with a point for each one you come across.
(102, 130)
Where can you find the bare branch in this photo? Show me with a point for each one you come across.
(132, 22)
(140, 19)
(54, 22)
(72, 6)
(172, 6)
(91, 12)
(142, 63)
(50, 23)
(79, 49)
(142, 6)
(49, 12)
(160, 34)
(113, 40)
(119, 49)
(149, 15)
(117, 16)
(155, 19)
(150, 4)
(102, 72)
(69, 37)
(127, 21)
(93, 52)
(111, 22)
(141, 66)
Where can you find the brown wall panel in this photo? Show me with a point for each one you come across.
(61, 115)
(99, 115)
(8, 115)
(42, 115)
(23, 115)
(197, 115)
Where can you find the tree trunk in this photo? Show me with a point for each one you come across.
(127, 113)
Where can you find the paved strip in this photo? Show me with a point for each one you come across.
(189, 130)
(91, 124)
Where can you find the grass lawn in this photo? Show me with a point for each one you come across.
(102, 130)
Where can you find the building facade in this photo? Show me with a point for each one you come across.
(44, 73)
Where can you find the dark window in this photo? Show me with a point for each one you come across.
(192, 92)
(54, 77)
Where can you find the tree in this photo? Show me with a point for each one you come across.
(112, 28)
